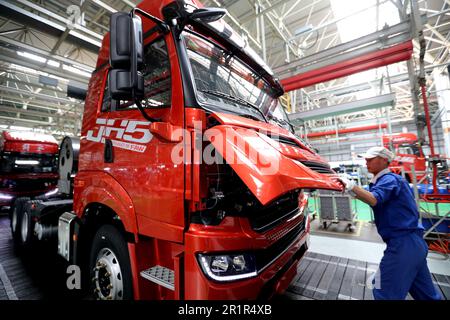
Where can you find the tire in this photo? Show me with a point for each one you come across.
(15, 218)
(26, 228)
(109, 266)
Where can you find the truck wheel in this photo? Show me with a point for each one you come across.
(109, 266)
(16, 213)
(26, 228)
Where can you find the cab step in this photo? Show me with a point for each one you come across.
(160, 275)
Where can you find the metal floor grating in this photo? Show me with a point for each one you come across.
(324, 277)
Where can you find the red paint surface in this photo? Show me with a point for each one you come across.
(379, 58)
(155, 197)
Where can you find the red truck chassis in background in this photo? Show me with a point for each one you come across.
(28, 165)
(408, 153)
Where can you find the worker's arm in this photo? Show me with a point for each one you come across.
(381, 193)
(364, 196)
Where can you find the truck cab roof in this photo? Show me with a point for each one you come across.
(400, 138)
(22, 136)
(29, 142)
(218, 31)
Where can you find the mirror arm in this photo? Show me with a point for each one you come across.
(144, 114)
(164, 28)
(161, 24)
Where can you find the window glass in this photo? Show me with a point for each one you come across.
(404, 150)
(157, 77)
(157, 80)
(225, 83)
(408, 150)
(106, 104)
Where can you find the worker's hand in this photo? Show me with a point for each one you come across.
(347, 183)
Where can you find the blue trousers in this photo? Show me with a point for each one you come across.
(404, 269)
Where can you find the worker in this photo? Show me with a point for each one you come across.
(403, 267)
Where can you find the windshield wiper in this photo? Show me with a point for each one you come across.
(283, 122)
(235, 99)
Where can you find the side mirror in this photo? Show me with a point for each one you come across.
(125, 36)
(121, 85)
(76, 92)
(126, 57)
(208, 14)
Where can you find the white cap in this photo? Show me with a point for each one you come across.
(378, 152)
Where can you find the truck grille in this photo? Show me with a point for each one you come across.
(267, 256)
(318, 167)
(273, 214)
(26, 185)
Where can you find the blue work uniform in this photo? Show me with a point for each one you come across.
(403, 267)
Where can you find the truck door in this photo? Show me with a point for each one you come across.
(141, 160)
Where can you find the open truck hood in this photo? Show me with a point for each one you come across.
(268, 168)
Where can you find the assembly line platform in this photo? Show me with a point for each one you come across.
(325, 277)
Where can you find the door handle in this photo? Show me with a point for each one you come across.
(108, 152)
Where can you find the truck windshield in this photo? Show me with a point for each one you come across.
(225, 84)
(408, 149)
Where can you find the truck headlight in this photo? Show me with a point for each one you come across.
(228, 267)
(4, 196)
(27, 162)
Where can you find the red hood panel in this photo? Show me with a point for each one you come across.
(225, 118)
(291, 151)
(266, 171)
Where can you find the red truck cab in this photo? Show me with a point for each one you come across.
(28, 165)
(408, 152)
(195, 188)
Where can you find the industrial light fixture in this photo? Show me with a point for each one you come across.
(37, 58)
(84, 68)
(104, 6)
(76, 70)
(53, 63)
(85, 38)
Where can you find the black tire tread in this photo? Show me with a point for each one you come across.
(109, 236)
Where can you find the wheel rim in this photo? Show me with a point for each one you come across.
(108, 278)
(14, 220)
(24, 226)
